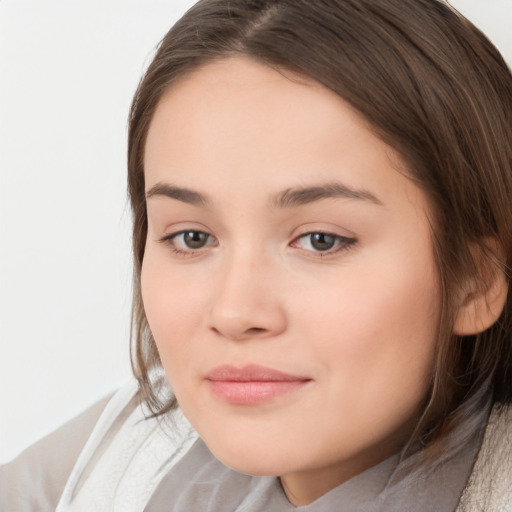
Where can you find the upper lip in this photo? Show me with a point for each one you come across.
(251, 373)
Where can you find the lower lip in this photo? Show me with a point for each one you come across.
(253, 392)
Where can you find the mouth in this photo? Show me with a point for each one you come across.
(252, 384)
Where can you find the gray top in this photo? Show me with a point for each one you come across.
(199, 482)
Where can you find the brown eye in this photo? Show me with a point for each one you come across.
(188, 242)
(195, 239)
(322, 241)
(319, 242)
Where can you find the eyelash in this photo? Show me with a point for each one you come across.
(341, 243)
(170, 241)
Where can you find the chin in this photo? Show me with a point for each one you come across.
(255, 467)
(255, 459)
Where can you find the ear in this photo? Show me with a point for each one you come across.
(483, 296)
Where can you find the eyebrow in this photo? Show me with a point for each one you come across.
(181, 194)
(300, 196)
(290, 198)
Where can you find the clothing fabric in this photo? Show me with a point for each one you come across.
(489, 487)
(131, 463)
(35, 480)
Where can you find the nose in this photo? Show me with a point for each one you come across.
(247, 301)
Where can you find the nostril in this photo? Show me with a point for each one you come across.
(255, 330)
(243, 334)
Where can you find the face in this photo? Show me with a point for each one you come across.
(288, 278)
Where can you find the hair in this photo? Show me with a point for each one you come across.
(435, 89)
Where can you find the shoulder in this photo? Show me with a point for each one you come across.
(126, 456)
(36, 478)
(489, 487)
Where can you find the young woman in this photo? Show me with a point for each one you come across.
(323, 244)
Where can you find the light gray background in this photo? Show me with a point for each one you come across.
(68, 70)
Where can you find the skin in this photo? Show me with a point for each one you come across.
(357, 320)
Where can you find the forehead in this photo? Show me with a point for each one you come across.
(238, 125)
(242, 92)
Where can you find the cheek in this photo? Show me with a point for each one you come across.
(171, 311)
(364, 306)
(172, 303)
(376, 331)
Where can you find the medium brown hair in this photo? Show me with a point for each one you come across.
(435, 89)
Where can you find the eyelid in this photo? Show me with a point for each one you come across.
(342, 242)
(169, 240)
(172, 230)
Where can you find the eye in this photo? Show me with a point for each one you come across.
(192, 239)
(188, 241)
(323, 242)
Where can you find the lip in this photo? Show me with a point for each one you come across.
(252, 384)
